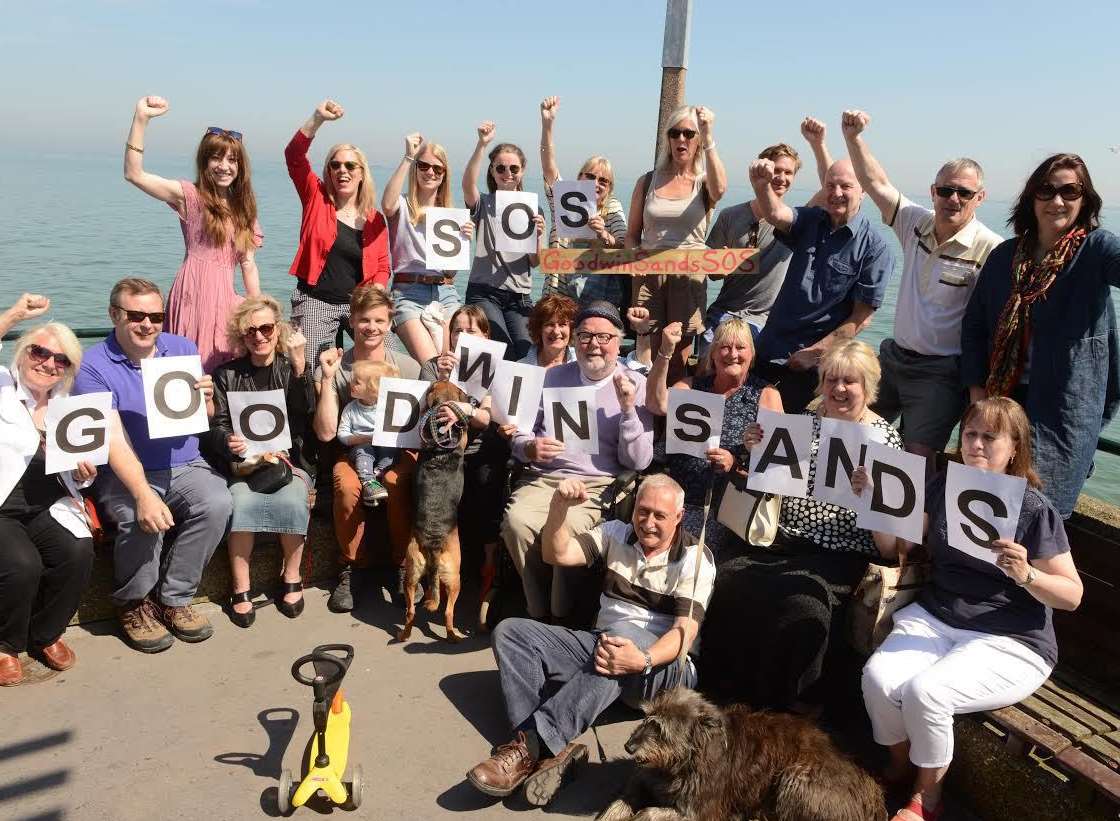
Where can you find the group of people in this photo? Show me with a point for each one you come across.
(1014, 340)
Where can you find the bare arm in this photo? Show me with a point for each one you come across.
(657, 388)
(549, 107)
(391, 196)
(773, 210)
(1058, 585)
(715, 177)
(636, 219)
(667, 649)
(151, 512)
(28, 306)
(164, 190)
(557, 545)
(250, 275)
(813, 130)
(474, 165)
(325, 423)
(868, 171)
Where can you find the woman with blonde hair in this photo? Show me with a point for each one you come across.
(343, 240)
(263, 502)
(218, 215)
(608, 222)
(415, 286)
(671, 208)
(47, 547)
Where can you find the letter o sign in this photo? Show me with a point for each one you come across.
(272, 433)
(508, 212)
(159, 395)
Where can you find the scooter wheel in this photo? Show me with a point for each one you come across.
(284, 793)
(356, 787)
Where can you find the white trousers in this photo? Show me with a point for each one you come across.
(926, 672)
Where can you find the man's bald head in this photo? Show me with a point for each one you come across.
(843, 193)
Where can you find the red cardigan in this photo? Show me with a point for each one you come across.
(318, 228)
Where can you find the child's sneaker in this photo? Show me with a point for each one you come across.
(373, 493)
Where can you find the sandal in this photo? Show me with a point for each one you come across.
(292, 609)
(916, 808)
(242, 619)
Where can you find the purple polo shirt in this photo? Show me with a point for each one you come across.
(106, 368)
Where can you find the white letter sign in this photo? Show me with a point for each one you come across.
(514, 230)
(980, 507)
(174, 405)
(896, 503)
(694, 422)
(398, 412)
(445, 247)
(78, 430)
(573, 205)
(571, 416)
(842, 448)
(478, 360)
(261, 419)
(516, 394)
(780, 462)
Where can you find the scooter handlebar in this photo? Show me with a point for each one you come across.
(328, 679)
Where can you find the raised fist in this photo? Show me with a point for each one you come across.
(760, 174)
(549, 107)
(671, 336)
(853, 122)
(812, 130)
(486, 131)
(412, 144)
(705, 119)
(151, 106)
(329, 110)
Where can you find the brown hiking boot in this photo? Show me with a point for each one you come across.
(549, 776)
(505, 770)
(183, 621)
(141, 630)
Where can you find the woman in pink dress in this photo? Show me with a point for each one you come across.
(218, 213)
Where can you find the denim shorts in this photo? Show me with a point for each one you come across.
(410, 300)
(285, 511)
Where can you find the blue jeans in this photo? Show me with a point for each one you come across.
(508, 313)
(411, 298)
(549, 681)
(371, 461)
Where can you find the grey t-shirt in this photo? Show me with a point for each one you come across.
(749, 295)
(510, 272)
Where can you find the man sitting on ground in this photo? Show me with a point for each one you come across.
(153, 484)
(625, 431)
(556, 681)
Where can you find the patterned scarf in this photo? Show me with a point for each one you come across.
(1029, 283)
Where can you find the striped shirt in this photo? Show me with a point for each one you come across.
(572, 285)
(646, 593)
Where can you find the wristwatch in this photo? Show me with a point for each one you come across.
(649, 662)
(1032, 574)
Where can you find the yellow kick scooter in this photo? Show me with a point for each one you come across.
(324, 759)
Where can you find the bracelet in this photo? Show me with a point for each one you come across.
(661, 355)
(407, 158)
(642, 333)
(131, 147)
(710, 146)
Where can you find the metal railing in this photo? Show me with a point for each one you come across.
(1104, 444)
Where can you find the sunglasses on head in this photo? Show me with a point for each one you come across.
(350, 165)
(221, 132)
(156, 317)
(1069, 191)
(677, 133)
(264, 330)
(39, 355)
(513, 169)
(947, 191)
(603, 181)
(433, 167)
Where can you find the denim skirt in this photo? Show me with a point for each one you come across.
(284, 511)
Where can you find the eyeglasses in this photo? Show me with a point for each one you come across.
(677, 133)
(513, 169)
(221, 132)
(427, 166)
(585, 337)
(39, 355)
(350, 165)
(603, 181)
(264, 330)
(156, 317)
(1069, 191)
(947, 191)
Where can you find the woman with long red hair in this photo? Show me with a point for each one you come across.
(218, 215)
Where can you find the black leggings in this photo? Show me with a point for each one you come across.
(44, 569)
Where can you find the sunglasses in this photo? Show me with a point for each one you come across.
(427, 166)
(156, 318)
(513, 169)
(1069, 191)
(39, 355)
(585, 337)
(221, 132)
(947, 191)
(677, 133)
(264, 330)
(603, 181)
(350, 165)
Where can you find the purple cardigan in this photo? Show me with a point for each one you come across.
(625, 440)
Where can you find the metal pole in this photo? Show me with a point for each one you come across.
(674, 63)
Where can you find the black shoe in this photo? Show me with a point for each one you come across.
(241, 619)
(341, 600)
(293, 609)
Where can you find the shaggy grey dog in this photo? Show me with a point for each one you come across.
(697, 762)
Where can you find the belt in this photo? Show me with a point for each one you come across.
(423, 279)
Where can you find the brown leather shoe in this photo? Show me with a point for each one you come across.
(546, 780)
(58, 656)
(186, 623)
(11, 671)
(505, 770)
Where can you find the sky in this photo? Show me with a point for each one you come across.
(1004, 82)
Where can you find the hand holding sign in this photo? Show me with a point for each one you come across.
(894, 499)
(174, 396)
(260, 419)
(981, 507)
(478, 359)
(446, 243)
(1012, 558)
(574, 202)
(843, 445)
(780, 462)
(515, 224)
(516, 394)
(77, 431)
(398, 412)
(694, 422)
(571, 417)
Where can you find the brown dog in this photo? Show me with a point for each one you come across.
(699, 763)
(433, 551)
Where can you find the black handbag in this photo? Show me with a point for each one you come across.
(270, 477)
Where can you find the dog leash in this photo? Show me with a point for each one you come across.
(682, 658)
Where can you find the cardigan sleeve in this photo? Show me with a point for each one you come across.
(378, 254)
(299, 168)
(975, 332)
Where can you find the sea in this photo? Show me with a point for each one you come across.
(70, 226)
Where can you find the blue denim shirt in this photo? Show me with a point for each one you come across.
(829, 272)
(1074, 387)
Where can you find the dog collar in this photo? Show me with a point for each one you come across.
(441, 436)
